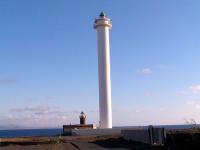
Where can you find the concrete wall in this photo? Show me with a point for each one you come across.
(136, 135)
(148, 136)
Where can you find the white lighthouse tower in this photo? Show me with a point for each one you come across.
(102, 25)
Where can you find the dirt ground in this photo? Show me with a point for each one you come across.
(62, 146)
(73, 143)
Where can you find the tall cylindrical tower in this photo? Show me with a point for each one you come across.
(102, 25)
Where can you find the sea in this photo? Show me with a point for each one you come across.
(29, 132)
(56, 132)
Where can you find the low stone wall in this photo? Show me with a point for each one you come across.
(149, 135)
(67, 129)
(81, 132)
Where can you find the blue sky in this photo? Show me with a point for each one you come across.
(48, 61)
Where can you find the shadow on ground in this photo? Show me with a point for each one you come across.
(123, 144)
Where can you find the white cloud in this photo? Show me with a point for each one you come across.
(183, 92)
(147, 94)
(161, 66)
(42, 116)
(138, 111)
(195, 89)
(197, 106)
(39, 116)
(190, 102)
(32, 109)
(146, 71)
(194, 104)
